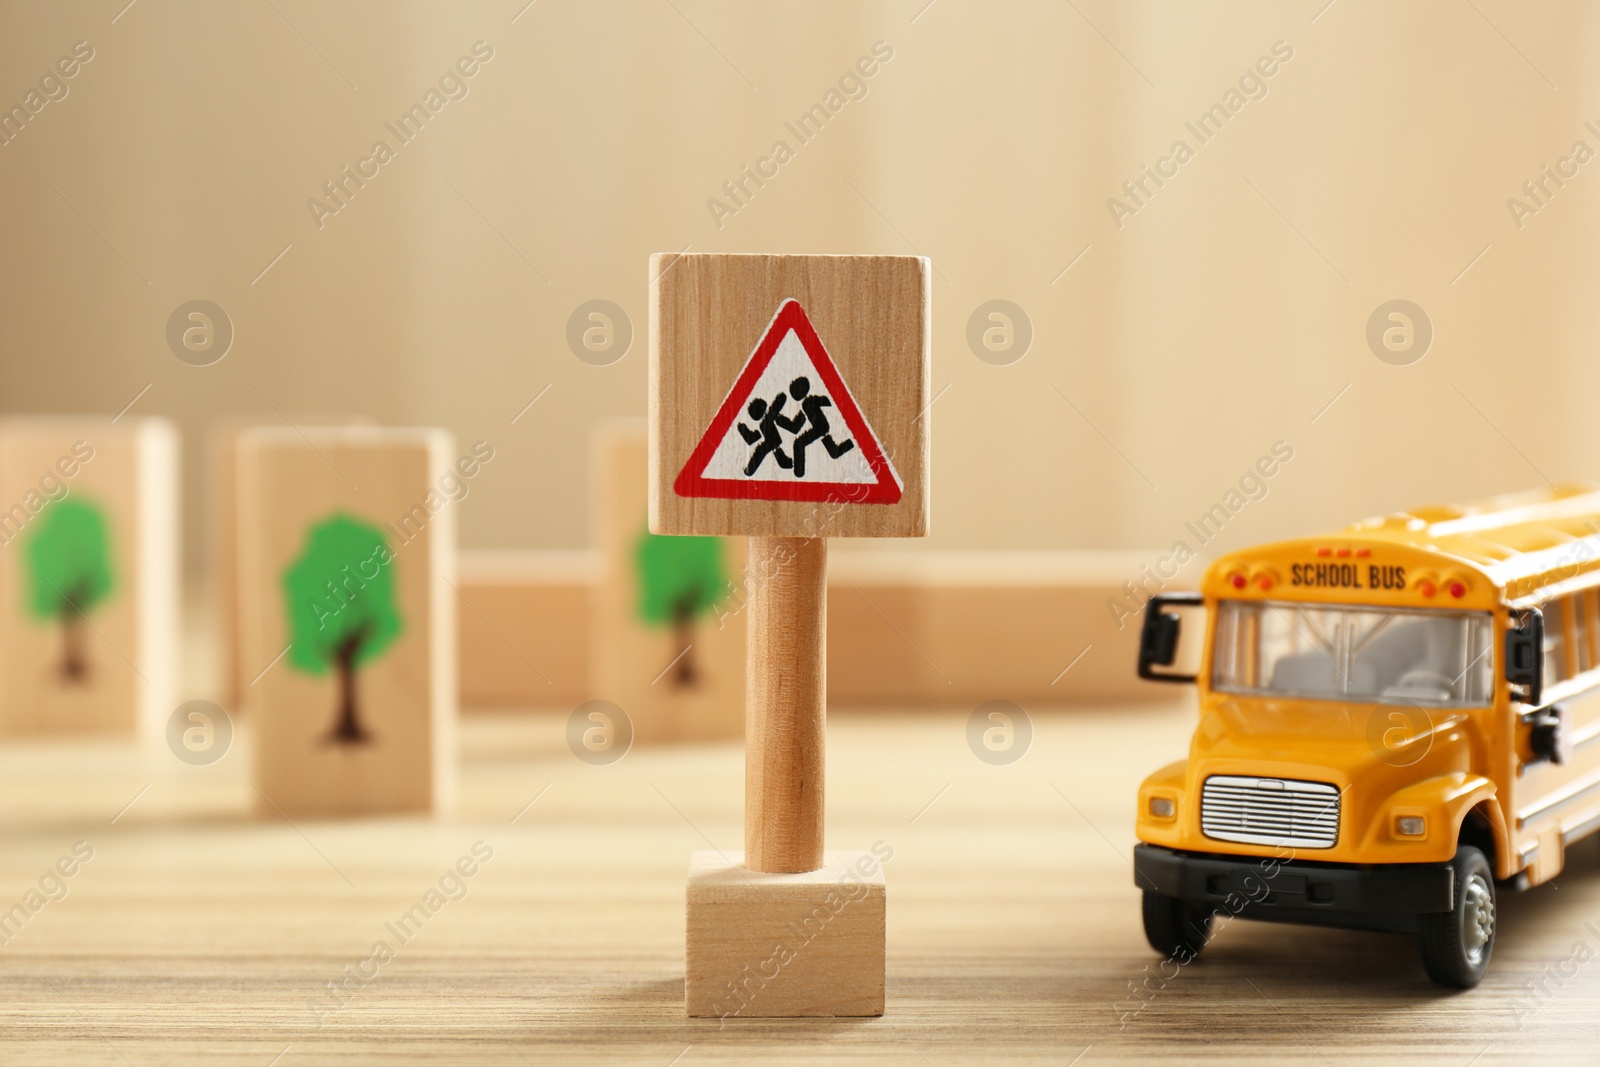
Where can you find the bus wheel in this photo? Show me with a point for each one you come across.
(1175, 928)
(1456, 944)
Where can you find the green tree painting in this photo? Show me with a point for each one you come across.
(340, 601)
(69, 574)
(679, 580)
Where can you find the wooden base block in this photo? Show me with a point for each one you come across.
(785, 945)
(524, 628)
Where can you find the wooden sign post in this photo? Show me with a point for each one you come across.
(787, 405)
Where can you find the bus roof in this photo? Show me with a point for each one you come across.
(1527, 545)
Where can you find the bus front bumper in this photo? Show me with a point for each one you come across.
(1371, 896)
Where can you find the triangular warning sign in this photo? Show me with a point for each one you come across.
(790, 430)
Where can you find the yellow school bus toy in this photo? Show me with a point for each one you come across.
(1396, 722)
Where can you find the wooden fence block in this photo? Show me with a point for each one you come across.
(997, 624)
(88, 575)
(525, 628)
(347, 553)
(668, 631)
(966, 627)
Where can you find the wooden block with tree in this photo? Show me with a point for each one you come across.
(788, 404)
(346, 550)
(668, 633)
(221, 505)
(88, 575)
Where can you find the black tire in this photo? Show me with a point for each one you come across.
(1457, 944)
(1175, 928)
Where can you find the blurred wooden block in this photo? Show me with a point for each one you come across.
(88, 575)
(347, 552)
(524, 628)
(222, 511)
(785, 945)
(966, 627)
(677, 680)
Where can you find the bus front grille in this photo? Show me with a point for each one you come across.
(1270, 811)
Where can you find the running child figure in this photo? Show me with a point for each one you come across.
(766, 437)
(811, 406)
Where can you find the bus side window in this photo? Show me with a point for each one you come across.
(1586, 633)
(1572, 609)
(1555, 641)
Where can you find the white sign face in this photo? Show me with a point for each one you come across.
(785, 432)
(789, 429)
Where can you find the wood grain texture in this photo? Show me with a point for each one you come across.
(124, 644)
(524, 621)
(289, 482)
(786, 694)
(200, 935)
(641, 666)
(707, 314)
(784, 945)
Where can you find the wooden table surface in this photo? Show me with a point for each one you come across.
(198, 934)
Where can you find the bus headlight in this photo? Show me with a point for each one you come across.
(1163, 807)
(1411, 826)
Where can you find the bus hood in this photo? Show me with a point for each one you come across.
(1323, 740)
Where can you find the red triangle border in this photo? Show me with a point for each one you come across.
(690, 483)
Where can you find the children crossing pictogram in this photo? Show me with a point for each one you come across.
(766, 437)
(763, 442)
(816, 426)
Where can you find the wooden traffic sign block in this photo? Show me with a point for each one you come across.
(788, 399)
(788, 395)
(88, 575)
(668, 625)
(346, 552)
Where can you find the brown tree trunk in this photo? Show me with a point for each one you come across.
(348, 730)
(684, 676)
(74, 667)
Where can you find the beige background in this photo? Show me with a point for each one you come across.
(1223, 316)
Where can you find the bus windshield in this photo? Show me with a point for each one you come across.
(1333, 652)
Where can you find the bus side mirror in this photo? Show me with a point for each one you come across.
(1158, 640)
(1525, 655)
